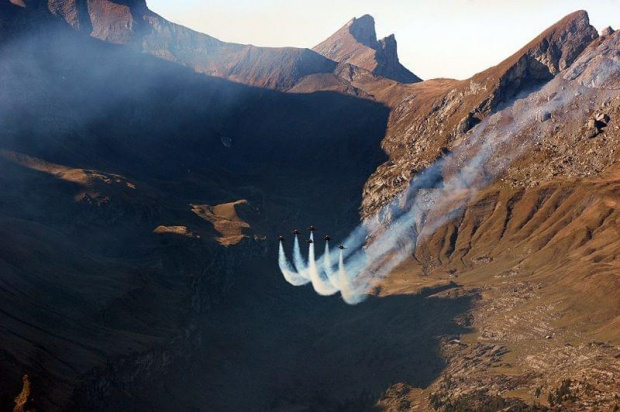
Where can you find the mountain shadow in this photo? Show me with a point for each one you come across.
(105, 153)
(271, 346)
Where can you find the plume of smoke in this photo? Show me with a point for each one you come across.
(342, 279)
(328, 267)
(320, 282)
(376, 247)
(287, 270)
(298, 259)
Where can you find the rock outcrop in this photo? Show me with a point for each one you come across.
(607, 31)
(356, 43)
(25, 402)
(439, 113)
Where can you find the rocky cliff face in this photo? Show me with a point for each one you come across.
(356, 43)
(438, 114)
(535, 241)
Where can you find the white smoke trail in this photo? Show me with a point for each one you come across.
(341, 271)
(298, 260)
(328, 268)
(321, 284)
(287, 270)
(342, 277)
(397, 242)
(351, 288)
(376, 250)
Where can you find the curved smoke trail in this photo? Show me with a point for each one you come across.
(328, 267)
(287, 270)
(321, 284)
(375, 248)
(298, 259)
(341, 272)
(350, 293)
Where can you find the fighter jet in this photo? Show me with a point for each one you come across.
(328, 238)
(341, 247)
(312, 228)
(280, 238)
(295, 232)
(310, 241)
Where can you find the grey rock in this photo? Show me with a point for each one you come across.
(608, 31)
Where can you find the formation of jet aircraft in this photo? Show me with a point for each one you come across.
(311, 229)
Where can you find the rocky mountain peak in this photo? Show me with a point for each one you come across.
(608, 31)
(356, 43)
(389, 47)
(136, 6)
(131, 3)
(571, 35)
(459, 106)
(557, 47)
(363, 30)
(115, 21)
(553, 51)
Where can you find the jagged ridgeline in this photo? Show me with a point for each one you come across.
(146, 170)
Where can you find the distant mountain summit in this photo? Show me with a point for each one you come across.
(356, 43)
(131, 23)
(358, 54)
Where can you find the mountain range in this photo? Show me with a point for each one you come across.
(146, 169)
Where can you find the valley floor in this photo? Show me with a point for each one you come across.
(543, 325)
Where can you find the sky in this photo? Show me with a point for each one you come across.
(436, 38)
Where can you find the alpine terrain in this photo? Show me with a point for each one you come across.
(147, 171)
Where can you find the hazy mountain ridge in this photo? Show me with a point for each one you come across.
(133, 24)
